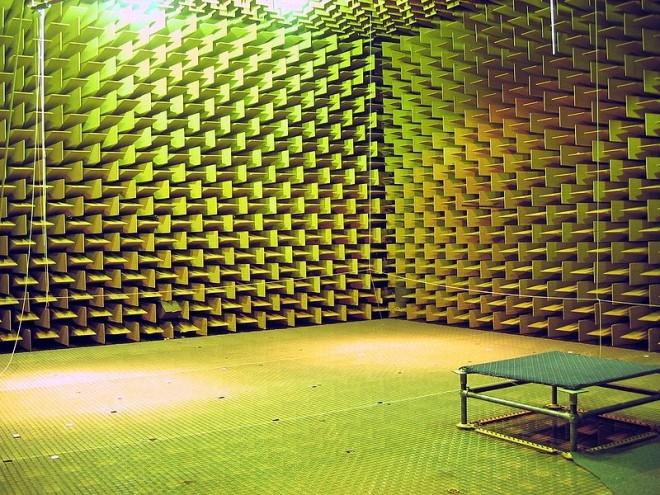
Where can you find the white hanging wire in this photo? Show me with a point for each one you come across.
(39, 153)
(410, 277)
(596, 225)
(42, 96)
(5, 171)
(369, 129)
(25, 299)
(378, 298)
(553, 32)
(239, 285)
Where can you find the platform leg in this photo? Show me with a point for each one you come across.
(573, 421)
(464, 406)
(554, 402)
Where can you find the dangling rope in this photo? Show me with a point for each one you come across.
(41, 81)
(596, 225)
(25, 298)
(553, 32)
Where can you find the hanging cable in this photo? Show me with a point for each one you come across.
(5, 171)
(41, 77)
(369, 136)
(372, 60)
(25, 298)
(39, 156)
(596, 225)
(553, 32)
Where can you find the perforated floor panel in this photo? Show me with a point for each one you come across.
(342, 409)
(563, 369)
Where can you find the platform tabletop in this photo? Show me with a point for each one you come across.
(565, 370)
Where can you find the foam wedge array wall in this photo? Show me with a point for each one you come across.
(525, 183)
(204, 176)
(359, 17)
(363, 18)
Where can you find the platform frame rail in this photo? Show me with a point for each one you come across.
(571, 414)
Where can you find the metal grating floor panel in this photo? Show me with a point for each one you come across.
(343, 409)
(595, 433)
(562, 369)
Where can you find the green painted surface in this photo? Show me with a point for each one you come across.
(341, 409)
(563, 369)
(617, 468)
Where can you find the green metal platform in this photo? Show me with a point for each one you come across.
(570, 373)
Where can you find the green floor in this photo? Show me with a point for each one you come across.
(342, 409)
